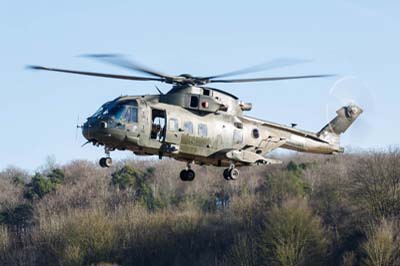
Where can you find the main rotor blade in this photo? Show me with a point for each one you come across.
(103, 75)
(273, 64)
(119, 60)
(267, 79)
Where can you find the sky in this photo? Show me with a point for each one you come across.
(358, 40)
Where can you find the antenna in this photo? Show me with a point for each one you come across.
(159, 91)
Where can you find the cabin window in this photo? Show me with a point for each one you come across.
(237, 137)
(188, 126)
(173, 124)
(206, 92)
(202, 130)
(194, 101)
(255, 133)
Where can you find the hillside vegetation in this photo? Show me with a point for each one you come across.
(311, 210)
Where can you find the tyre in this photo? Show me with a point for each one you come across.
(183, 175)
(102, 162)
(226, 174)
(108, 162)
(234, 173)
(190, 175)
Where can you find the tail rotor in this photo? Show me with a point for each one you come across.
(352, 91)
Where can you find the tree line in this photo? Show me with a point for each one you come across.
(311, 210)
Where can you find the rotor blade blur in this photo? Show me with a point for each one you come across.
(276, 63)
(267, 79)
(119, 60)
(95, 74)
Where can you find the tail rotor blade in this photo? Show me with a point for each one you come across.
(352, 90)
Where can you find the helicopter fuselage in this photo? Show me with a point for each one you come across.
(149, 125)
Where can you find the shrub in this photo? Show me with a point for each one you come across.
(375, 184)
(39, 187)
(381, 247)
(125, 178)
(56, 176)
(282, 185)
(78, 238)
(293, 236)
(243, 252)
(129, 178)
(21, 215)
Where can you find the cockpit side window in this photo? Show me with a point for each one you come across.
(134, 114)
(127, 115)
(131, 115)
(118, 112)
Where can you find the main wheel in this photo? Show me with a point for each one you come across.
(102, 162)
(190, 175)
(183, 175)
(234, 173)
(105, 162)
(226, 174)
(108, 162)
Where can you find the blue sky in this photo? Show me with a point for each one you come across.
(39, 110)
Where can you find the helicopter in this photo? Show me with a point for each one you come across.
(195, 123)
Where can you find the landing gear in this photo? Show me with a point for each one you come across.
(106, 162)
(187, 174)
(231, 173)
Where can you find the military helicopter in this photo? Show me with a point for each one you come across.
(199, 124)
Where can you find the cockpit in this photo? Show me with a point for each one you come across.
(120, 111)
(112, 123)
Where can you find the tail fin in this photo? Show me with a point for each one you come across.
(343, 120)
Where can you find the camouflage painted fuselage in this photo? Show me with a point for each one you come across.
(207, 126)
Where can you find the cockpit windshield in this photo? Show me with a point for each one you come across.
(123, 111)
(118, 111)
(103, 110)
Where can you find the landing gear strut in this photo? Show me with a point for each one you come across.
(187, 174)
(106, 162)
(231, 173)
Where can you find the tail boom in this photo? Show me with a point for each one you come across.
(327, 140)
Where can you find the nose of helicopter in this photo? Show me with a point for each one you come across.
(85, 130)
(99, 131)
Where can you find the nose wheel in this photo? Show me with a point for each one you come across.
(231, 173)
(106, 162)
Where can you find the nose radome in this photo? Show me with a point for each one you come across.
(85, 130)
